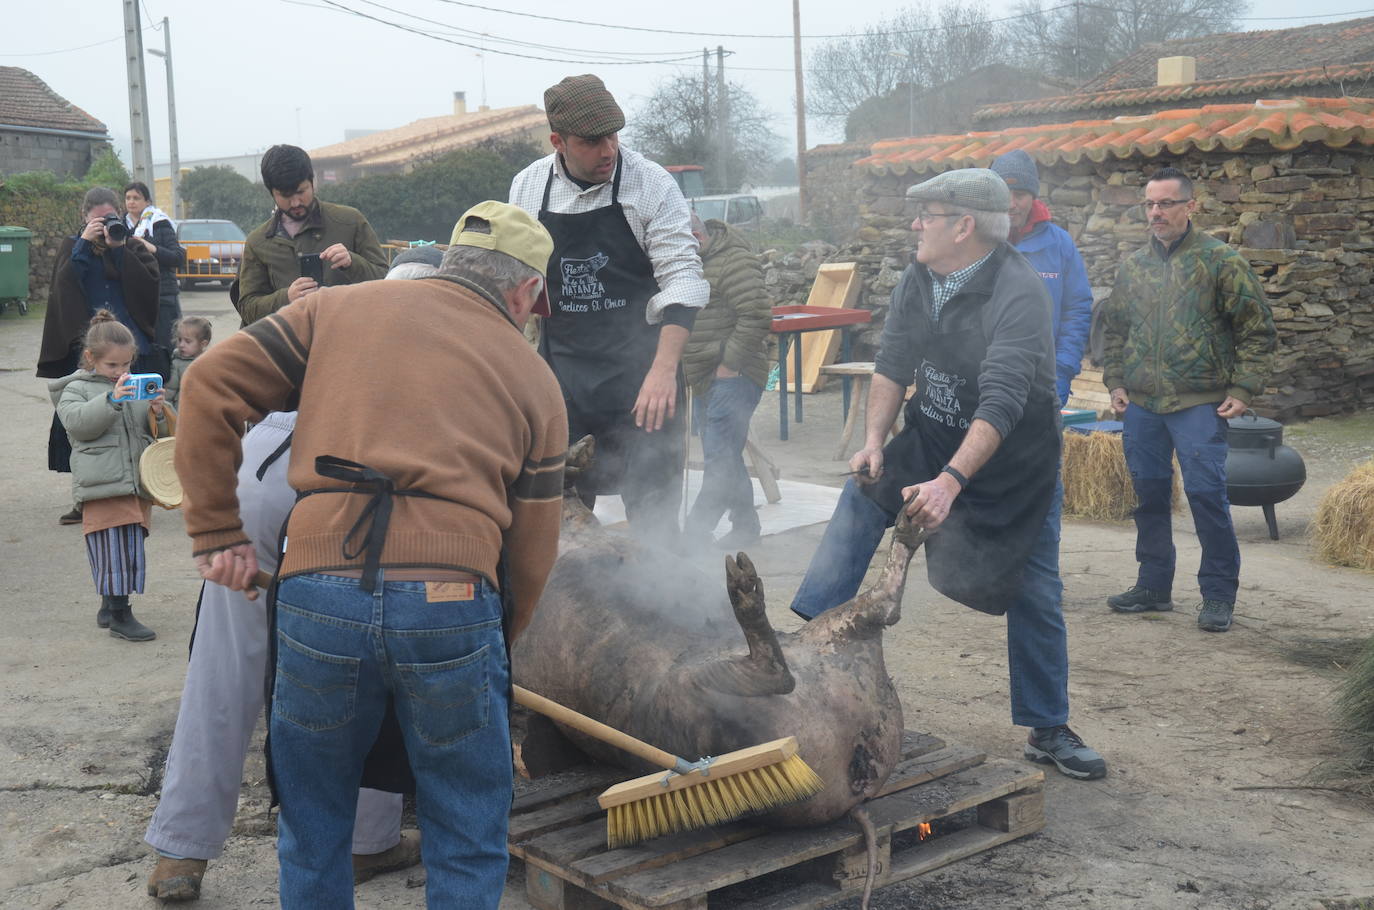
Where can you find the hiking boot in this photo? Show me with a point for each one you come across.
(123, 625)
(176, 879)
(1137, 599)
(102, 616)
(405, 854)
(1063, 747)
(71, 518)
(1215, 616)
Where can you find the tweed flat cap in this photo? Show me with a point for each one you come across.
(425, 255)
(975, 188)
(581, 106)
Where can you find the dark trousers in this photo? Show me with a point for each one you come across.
(722, 418)
(644, 468)
(1198, 436)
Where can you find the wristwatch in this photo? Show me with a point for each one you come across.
(958, 477)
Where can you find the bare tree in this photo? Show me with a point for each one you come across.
(1082, 39)
(676, 125)
(917, 46)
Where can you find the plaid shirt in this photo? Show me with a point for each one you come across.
(654, 208)
(942, 289)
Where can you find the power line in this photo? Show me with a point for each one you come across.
(68, 50)
(488, 50)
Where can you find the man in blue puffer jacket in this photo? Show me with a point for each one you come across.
(1051, 251)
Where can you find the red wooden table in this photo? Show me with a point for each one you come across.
(789, 323)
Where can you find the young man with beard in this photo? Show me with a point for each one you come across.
(270, 275)
(625, 286)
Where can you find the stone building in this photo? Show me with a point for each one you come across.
(1290, 183)
(42, 131)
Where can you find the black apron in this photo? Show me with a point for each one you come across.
(597, 340)
(977, 556)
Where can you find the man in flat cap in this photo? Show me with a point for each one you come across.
(625, 285)
(978, 455)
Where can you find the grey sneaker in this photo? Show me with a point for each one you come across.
(1064, 749)
(1136, 599)
(1215, 616)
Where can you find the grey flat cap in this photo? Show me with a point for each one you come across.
(975, 188)
(425, 255)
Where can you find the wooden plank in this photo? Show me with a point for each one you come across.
(953, 793)
(528, 825)
(1022, 812)
(566, 846)
(662, 851)
(564, 786)
(837, 285)
(928, 767)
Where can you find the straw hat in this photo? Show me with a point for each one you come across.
(156, 473)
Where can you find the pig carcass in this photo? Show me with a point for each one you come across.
(640, 639)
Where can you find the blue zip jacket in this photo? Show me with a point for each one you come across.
(1051, 252)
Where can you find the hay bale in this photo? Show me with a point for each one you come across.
(1344, 524)
(1097, 483)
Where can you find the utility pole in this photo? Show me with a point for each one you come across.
(140, 135)
(722, 122)
(166, 55)
(706, 96)
(801, 113)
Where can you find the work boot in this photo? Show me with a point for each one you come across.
(405, 854)
(1215, 616)
(1137, 599)
(102, 616)
(71, 518)
(176, 879)
(122, 622)
(1064, 749)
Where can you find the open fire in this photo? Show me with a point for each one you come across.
(923, 829)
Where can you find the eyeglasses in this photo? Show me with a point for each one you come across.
(1164, 204)
(923, 216)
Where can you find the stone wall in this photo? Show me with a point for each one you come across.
(1302, 218)
(833, 189)
(65, 156)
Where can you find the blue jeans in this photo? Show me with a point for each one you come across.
(1037, 641)
(341, 653)
(725, 485)
(1198, 436)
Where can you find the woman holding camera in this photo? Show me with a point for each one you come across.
(97, 269)
(154, 228)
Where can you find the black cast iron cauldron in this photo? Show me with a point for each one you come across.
(1260, 469)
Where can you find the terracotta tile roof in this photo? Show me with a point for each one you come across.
(26, 100)
(1238, 54)
(433, 135)
(1355, 75)
(1282, 124)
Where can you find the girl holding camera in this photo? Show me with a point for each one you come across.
(108, 425)
(97, 269)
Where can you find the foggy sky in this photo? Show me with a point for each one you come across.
(257, 72)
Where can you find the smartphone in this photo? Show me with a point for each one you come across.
(312, 266)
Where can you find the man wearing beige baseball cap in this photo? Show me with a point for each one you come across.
(415, 480)
(625, 285)
(978, 453)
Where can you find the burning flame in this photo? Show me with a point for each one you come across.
(923, 829)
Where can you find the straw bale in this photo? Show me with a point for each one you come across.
(1097, 483)
(1343, 526)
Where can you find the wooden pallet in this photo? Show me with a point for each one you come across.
(560, 834)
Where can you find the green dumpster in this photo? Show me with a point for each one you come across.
(14, 267)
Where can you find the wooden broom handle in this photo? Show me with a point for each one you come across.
(596, 729)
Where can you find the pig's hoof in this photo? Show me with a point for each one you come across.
(742, 579)
(909, 534)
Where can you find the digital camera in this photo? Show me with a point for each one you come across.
(146, 386)
(115, 227)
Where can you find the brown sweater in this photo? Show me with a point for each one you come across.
(428, 382)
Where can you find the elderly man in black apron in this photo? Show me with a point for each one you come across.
(625, 285)
(978, 456)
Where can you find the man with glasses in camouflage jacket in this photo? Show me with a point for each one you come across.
(1189, 341)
